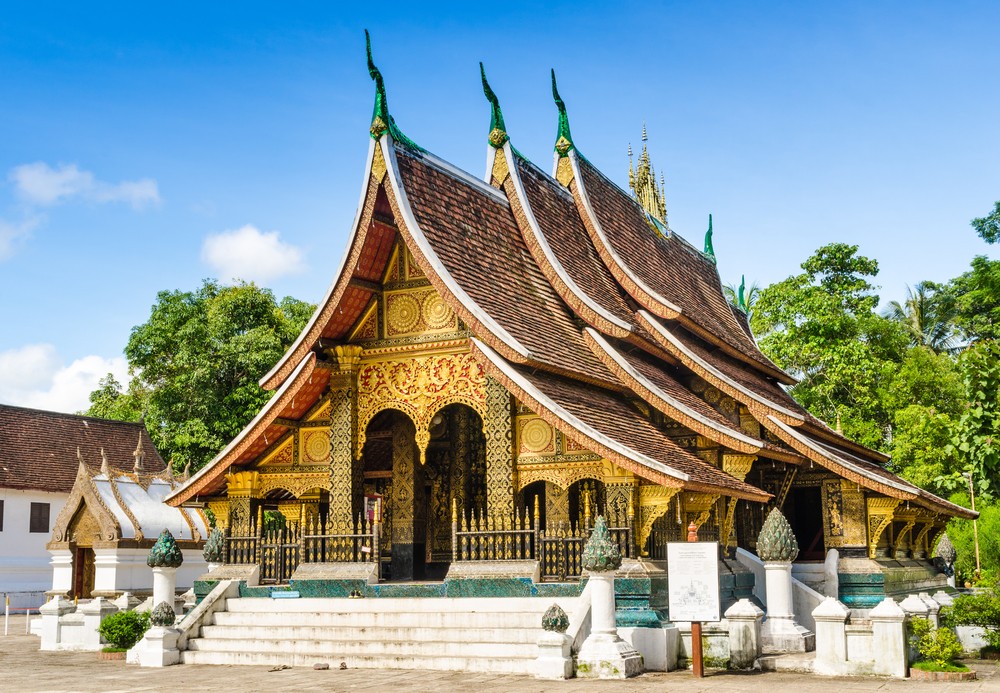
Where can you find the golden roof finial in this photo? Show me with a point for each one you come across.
(642, 180)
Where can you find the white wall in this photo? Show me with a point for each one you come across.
(25, 572)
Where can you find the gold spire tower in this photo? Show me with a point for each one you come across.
(642, 180)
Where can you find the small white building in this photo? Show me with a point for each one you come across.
(38, 467)
(103, 534)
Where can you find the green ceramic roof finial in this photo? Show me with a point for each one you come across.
(215, 547)
(741, 301)
(601, 554)
(555, 620)
(776, 541)
(165, 552)
(498, 131)
(709, 248)
(380, 113)
(162, 616)
(564, 140)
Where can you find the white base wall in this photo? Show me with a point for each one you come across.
(125, 570)
(25, 574)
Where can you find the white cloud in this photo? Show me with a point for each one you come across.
(40, 184)
(251, 254)
(13, 233)
(35, 376)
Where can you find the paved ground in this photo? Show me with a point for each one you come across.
(26, 669)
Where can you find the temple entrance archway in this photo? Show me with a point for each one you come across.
(416, 500)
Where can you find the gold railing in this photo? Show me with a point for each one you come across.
(350, 542)
(280, 548)
(558, 548)
(482, 537)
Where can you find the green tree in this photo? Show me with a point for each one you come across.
(924, 397)
(927, 315)
(976, 435)
(962, 536)
(196, 362)
(821, 327)
(109, 401)
(988, 227)
(977, 300)
(750, 295)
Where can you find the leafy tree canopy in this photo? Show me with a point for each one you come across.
(821, 327)
(988, 227)
(977, 300)
(195, 365)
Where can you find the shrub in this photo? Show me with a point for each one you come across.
(981, 609)
(125, 628)
(939, 646)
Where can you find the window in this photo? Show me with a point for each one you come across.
(39, 518)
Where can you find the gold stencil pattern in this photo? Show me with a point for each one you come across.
(419, 387)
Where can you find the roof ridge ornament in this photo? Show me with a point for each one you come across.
(709, 248)
(741, 301)
(564, 140)
(498, 131)
(380, 112)
(650, 196)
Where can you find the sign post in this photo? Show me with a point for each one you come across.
(693, 575)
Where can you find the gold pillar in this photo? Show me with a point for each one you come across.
(880, 514)
(737, 466)
(497, 428)
(242, 487)
(344, 493)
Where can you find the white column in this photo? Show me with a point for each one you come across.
(603, 654)
(164, 586)
(744, 634)
(780, 631)
(889, 639)
(95, 611)
(62, 572)
(831, 637)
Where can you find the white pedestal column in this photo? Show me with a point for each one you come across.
(744, 634)
(780, 632)
(603, 654)
(158, 648)
(51, 612)
(62, 572)
(164, 586)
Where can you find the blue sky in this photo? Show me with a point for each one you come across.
(145, 149)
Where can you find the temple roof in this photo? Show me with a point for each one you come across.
(38, 449)
(584, 306)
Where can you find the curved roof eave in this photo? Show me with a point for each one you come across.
(710, 372)
(471, 312)
(615, 451)
(564, 284)
(838, 464)
(249, 433)
(737, 440)
(597, 440)
(646, 295)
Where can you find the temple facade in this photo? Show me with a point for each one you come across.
(500, 359)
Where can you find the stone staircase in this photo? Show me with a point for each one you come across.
(469, 634)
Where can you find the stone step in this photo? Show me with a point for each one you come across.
(400, 605)
(794, 661)
(385, 648)
(401, 633)
(437, 663)
(387, 619)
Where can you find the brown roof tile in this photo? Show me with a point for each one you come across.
(38, 448)
(560, 222)
(475, 236)
(668, 265)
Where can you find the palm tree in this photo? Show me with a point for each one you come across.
(928, 316)
(750, 294)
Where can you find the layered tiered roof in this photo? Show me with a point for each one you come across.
(585, 307)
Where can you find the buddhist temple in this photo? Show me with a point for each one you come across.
(500, 359)
(114, 514)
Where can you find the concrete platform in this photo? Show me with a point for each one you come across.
(27, 670)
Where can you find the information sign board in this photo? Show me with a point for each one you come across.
(693, 574)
